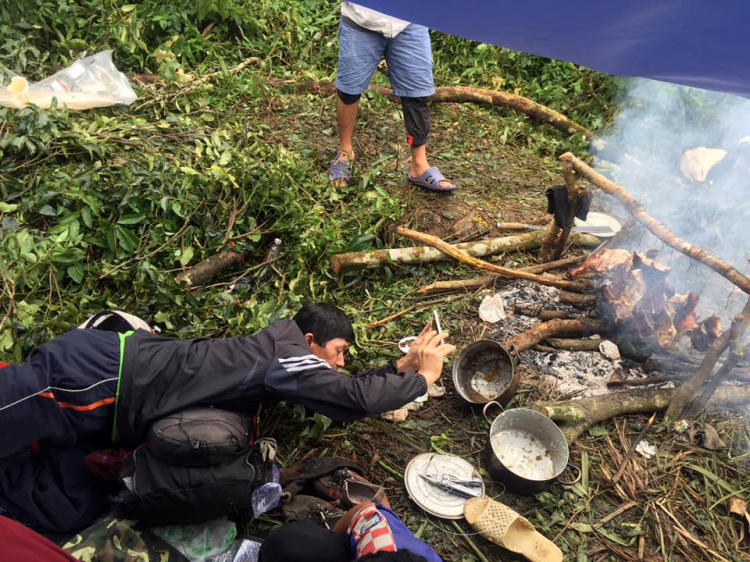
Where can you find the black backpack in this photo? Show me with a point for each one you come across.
(195, 466)
(199, 437)
(167, 494)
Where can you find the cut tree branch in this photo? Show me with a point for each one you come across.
(463, 257)
(426, 254)
(576, 416)
(205, 270)
(461, 94)
(479, 282)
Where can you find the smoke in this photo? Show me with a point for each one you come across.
(656, 125)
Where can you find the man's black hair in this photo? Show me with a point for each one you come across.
(325, 322)
(400, 556)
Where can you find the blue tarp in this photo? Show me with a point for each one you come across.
(700, 43)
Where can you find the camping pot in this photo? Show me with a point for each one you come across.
(526, 450)
(485, 371)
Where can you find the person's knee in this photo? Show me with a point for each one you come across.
(416, 120)
(348, 99)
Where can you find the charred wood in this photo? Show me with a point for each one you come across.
(538, 311)
(569, 344)
(552, 328)
(689, 391)
(577, 299)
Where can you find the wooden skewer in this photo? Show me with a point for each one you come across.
(631, 451)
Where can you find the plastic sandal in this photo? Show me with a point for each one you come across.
(431, 179)
(499, 524)
(340, 170)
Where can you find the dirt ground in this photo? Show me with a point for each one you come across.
(590, 521)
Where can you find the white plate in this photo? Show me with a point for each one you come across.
(431, 498)
(601, 219)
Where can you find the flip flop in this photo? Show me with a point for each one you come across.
(501, 525)
(431, 179)
(340, 170)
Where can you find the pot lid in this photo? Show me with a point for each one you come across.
(429, 497)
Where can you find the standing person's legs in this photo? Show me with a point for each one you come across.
(360, 51)
(409, 57)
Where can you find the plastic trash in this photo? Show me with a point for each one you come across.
(646, 449)
(492, 309)
(89, 82)
(268, 496)
(198, 543)
(242, 550)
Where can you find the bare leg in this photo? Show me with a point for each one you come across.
(346, 117)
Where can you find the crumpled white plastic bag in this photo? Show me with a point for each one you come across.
(492, 309)
(87, 83)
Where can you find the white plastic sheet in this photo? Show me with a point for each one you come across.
(87, 83)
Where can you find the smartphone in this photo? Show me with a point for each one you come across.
(436, 316)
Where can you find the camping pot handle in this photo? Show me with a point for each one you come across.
(486, 407)
(576, 479)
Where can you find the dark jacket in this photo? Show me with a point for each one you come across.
(164, 375)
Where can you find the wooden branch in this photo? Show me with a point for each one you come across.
(631, 450)
(409, 309)
(553, 231)
(463, 257)
(208, 268)
(479, 282)
(426, 254)
(576, 416)
(688, 392)
(574, 344)
(576, 299)
(461, 94)
(575, 194)
(579, 415)
(546, 330)
(636, 209)
(736, 354)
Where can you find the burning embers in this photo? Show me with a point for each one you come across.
(644, 305)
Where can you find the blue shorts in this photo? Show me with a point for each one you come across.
(409, 58)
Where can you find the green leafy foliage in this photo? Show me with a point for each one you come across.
(101, 208)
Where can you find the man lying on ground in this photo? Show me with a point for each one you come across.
(87, 389)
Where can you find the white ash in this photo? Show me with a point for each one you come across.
(583, 373)
(524, 293)
(579, 373)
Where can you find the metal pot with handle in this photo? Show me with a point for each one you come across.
(485, 371)
(526, 450)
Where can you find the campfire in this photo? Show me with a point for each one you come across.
(638, 298)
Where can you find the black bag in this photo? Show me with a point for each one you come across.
(166, 494)
(199, 437)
